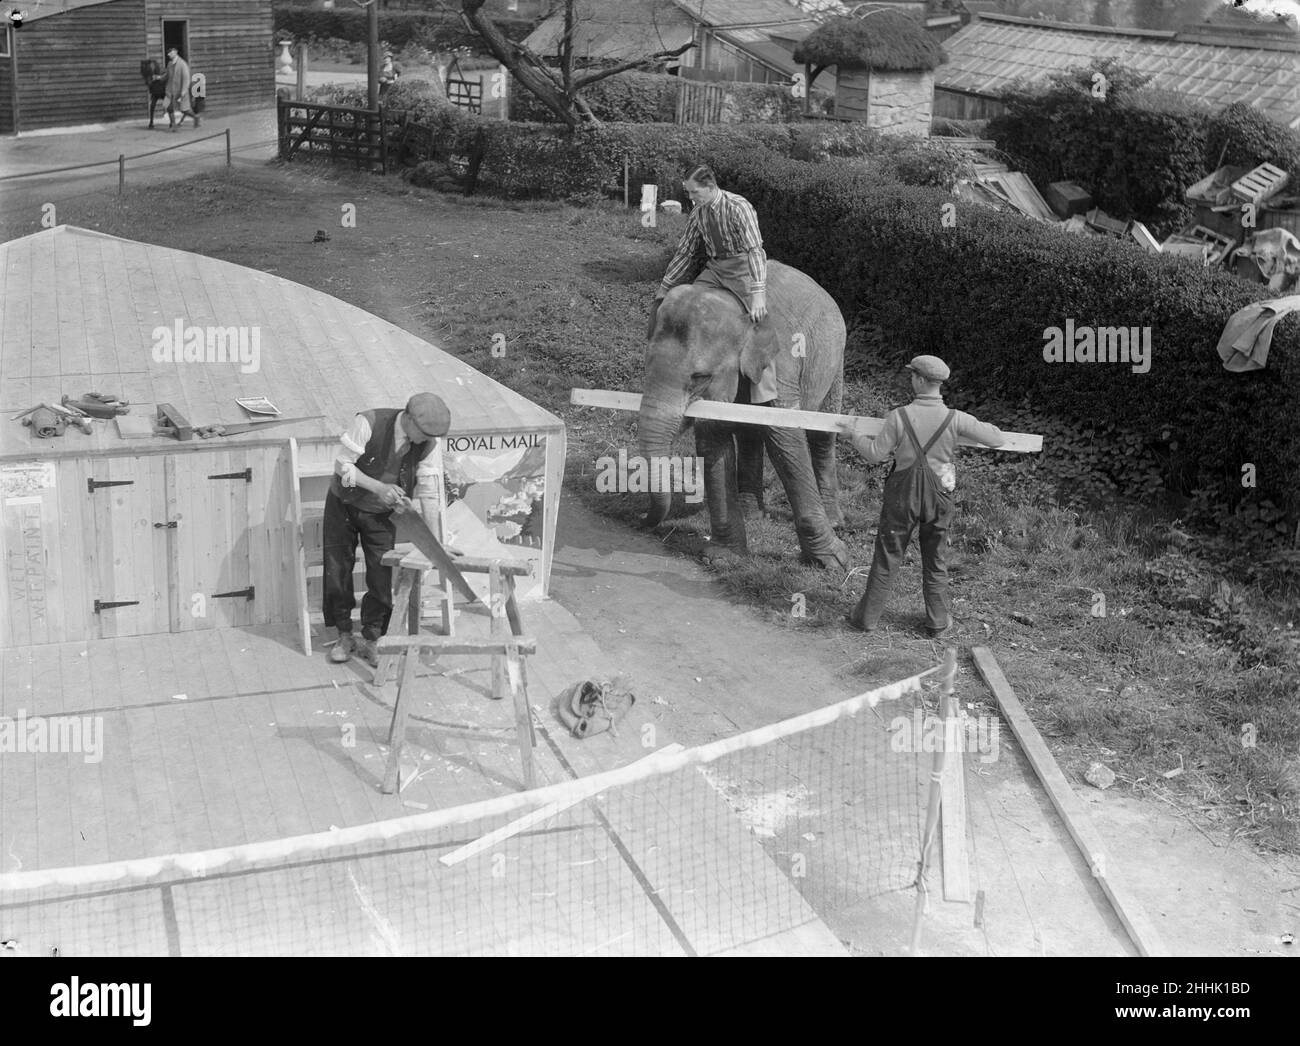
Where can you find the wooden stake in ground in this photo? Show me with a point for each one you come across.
(932, 812)
(1134, 917)
(952, 807)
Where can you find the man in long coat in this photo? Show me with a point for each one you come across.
(178, 90)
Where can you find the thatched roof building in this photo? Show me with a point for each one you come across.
(887, 41)
(884, 62)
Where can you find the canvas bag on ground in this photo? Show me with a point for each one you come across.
(926, 497)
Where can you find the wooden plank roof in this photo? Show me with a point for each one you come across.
(79, 311)
(991, 52)
(49, 8)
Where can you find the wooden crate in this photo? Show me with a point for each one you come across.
(1264, 181)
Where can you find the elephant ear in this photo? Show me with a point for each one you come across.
(758, 352)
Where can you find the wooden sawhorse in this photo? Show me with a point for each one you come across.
(508, 651)
(509, 670)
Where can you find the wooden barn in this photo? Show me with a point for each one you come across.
(78, 61)
(106, 535)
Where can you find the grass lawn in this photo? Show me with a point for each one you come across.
(1188, 686)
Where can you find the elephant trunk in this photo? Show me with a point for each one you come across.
(658, 424)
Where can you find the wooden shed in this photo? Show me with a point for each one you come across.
(102, 535)
(78, 61)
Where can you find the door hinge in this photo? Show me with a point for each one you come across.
(101, 605)
(170, 525)
(91, 484)
(246, 475)
(247, 593)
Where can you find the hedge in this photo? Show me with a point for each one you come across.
(524, 160)
(636, 97)
(1135, 150)
(981, 293)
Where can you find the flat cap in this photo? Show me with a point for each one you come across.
(429, 413)
(931, 368)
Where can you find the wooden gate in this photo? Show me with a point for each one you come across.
(468, 94)
(337, 131)
(462, 91)
(699, 102)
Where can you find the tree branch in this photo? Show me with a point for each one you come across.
(623, 67)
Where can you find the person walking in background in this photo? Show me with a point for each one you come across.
(918, 493)
(384, 461)
(388, 73)
(178, 90)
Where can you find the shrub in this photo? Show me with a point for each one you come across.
(1134, 149)
(1245, 137)
(636, 97)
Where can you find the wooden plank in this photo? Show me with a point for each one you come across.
(298, 551)
(952, 813)
(818, 421)
(458, 645)
(1130, 912)
(522, 824)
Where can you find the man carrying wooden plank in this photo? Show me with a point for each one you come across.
(918, 492)
(383, 461)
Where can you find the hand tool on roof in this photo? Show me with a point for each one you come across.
(49, 419)
(172, 423)
(98, 405)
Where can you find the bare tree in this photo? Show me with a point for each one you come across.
(559, 89)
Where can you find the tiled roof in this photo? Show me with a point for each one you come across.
(615, 29)
(624, 29)
(987, 55)
(740, 12)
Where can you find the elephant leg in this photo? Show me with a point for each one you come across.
(749, 463)
(822, 447)
(715, 442)
(791, 457)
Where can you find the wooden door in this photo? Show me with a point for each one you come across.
(231, 556)
(212, 582)
(123, 507)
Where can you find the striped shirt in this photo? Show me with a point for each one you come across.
(726, 227)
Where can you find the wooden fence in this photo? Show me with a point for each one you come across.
(699, 102)
(340, 132)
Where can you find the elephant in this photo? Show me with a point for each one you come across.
(700, 344)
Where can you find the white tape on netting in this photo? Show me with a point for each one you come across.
(240, 858)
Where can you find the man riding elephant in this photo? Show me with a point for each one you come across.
(724, 227)
(703, 346)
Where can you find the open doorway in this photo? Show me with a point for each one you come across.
(176, 33)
